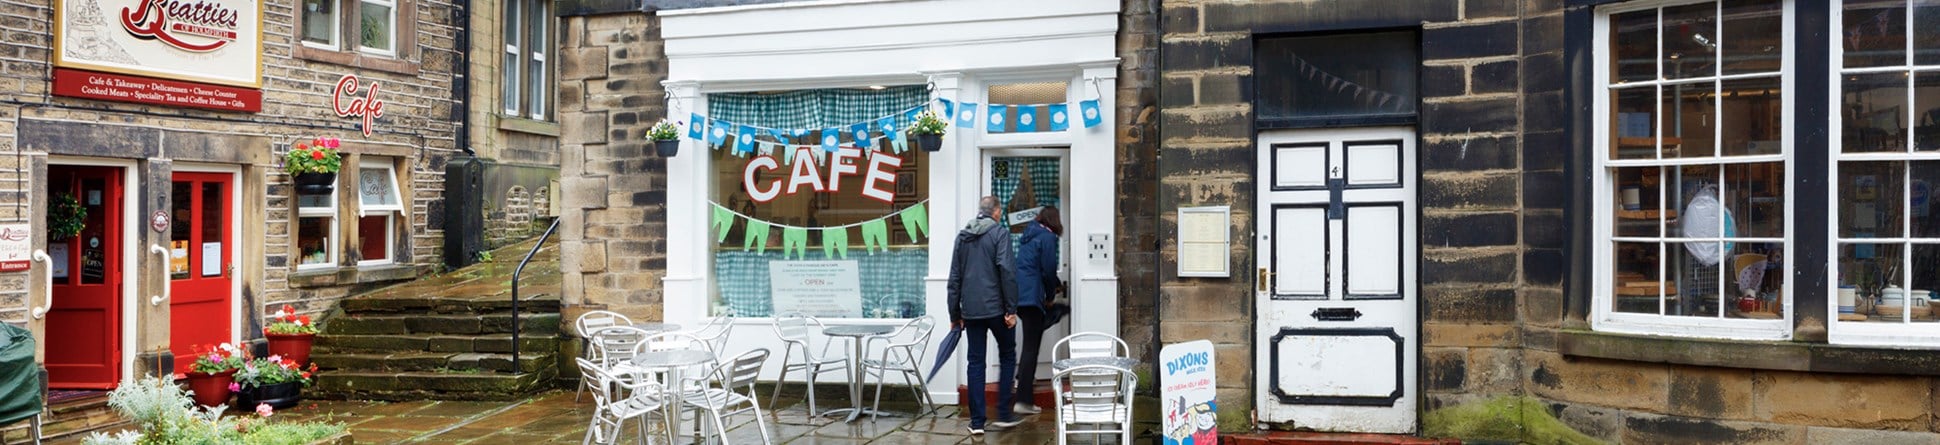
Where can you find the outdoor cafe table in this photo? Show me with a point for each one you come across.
(856, 334)
(672, 361)
(654, 328)
(1115, 362)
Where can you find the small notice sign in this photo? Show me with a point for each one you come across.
(1205, 241)
(816, 288)
(16, 247)
(1190, 415)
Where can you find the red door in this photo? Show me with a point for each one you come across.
(200, 239)
(84, 327)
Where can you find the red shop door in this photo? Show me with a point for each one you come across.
(84, 327)
(201, 235)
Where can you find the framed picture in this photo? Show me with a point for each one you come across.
(906, 184)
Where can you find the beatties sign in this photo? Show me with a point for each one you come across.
(367, 107)
(169, 20)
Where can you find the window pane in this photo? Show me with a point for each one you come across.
(1926, 110)
(1751, 117)
(1755, 282)
(509, 69)
(1755, 198)
(1027, 94)
(1638, 283)
(213, 202)
(313, 240)
(1919, 304)
(1338, 75)
(1696, 272)
(377, 24)
(1690, 119)
(1874, 110)
(537, 46)
(1871, 269)
(1875, 33)
(1926, 223)
(1690, 41)
(327, 201)
(182, 209)
(1753, 36)
(1926, 37)
(1638, 205)
(320, 21)
(1869, 199)
(1636, 123)
(374, 187)
(373, 236)
(1633, 50)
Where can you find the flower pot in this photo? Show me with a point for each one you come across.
(294, 347)
(280, 396)
(930, 142)
(667, 149)
(211, 389)
(315, 183)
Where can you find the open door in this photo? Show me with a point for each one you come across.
(84, 326)
(201, 276)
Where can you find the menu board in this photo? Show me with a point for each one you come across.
(1205, 244)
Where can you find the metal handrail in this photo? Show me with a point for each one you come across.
(517, 366)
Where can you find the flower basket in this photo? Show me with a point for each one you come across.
(315, 183)
(666, 138)
(929, 130)
(666, 149)
(295, 347)
(211, 389)
(313, 166)
(280, 396)
(930, 142)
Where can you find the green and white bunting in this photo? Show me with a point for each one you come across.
(835, 240)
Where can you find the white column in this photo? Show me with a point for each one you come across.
(684, 288)
(1094, 196)
(949, 174)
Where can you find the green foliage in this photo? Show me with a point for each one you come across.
(482, 256)
(291, 433)
(273, 370)
(319, 156)
(664, 131)
(928, 123)
(1519, 419)
(287, 322)
(219, 358)
(164, 415)
(65, 216)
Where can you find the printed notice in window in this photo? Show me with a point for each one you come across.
(816, 288)
(1205, 244)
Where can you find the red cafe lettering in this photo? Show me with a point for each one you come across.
(367, 107)
(877, 181)
(169, 20)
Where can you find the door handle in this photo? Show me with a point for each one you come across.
(1265, 277)
(41, 256)
(159, 250)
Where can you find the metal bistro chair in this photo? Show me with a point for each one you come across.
(715, 333)
(733, 387)
(1089, 344)
(1095, 395)
(795, 333)
(641, 398)
(585, 326)
(612, 348)
(904, 354)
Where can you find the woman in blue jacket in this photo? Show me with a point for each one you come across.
(1037, 282)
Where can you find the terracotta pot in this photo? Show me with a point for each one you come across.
(295, 347)
(930, 142)
(315, 183)
(667, 149)
(280, 396)
(211, 389)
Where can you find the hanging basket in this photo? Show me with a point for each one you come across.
(315, 183)
(667, 148)
(930, 141)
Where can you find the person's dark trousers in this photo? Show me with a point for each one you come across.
(1006, 366)
(1032, 317)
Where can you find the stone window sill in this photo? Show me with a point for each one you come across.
(357, 59)
(354, 275)
(524, 125)
(1744, 354)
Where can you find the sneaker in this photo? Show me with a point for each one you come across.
(1025, 409)
(1006, 424)
(975, 431)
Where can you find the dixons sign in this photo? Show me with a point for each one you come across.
(196, 53)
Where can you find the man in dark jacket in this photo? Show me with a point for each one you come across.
(983, 298)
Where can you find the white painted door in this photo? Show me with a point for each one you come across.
(1336, 279)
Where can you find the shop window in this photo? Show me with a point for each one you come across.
(1692, 199)
(524, 73)
(316, 227)
(816, 232)
(378, 28)
(320, 23)
(375, 34)
(1887, 130)
(1334, 77)
(378, 211)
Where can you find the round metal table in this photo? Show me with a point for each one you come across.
(672, 361)
(856, 334)
(655, 328)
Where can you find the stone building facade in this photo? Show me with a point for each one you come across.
(352, 243)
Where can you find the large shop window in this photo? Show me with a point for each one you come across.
(797, 229)
(1692, 202)
(316, 225)
(378, 212)
(1887, 127)
(524, 84)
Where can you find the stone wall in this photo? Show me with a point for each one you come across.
(1137, 116)
(522, 154)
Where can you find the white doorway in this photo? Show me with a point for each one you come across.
(1336, 290)
(1025, 180)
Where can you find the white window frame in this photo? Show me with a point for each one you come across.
(336, 27)
(512, 67)
(389, 212)
(537, 27)
(1870, 333)
(1603, 316)
(526, 94)
(332, 238)
(390, 51)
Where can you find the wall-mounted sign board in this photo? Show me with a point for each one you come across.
(1205, 241)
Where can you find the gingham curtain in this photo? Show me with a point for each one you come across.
(814, 109)
(892, 282)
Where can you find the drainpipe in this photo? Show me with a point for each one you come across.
(461, 88)
(1158, 284)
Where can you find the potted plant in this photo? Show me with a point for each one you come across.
(290, 335)
(65, 217)
(212, 375)
(161, 414)
(275, 381)
(313, 166)
(928, 130)
(666, 138)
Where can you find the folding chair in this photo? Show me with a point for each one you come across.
(1095, 395)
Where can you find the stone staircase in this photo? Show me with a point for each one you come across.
(447, 336)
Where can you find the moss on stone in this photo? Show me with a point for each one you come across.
(1519, 419)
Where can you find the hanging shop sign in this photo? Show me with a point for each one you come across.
(16, 246)
(344, 101)
(186, 53)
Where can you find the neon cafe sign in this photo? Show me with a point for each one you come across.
(877, 180)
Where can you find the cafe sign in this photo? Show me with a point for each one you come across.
(191, 53)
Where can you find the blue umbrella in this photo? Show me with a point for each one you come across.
(944, 351)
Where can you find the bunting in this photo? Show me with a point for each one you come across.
(915, 220)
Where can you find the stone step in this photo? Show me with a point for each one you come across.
(420, 385)
(546, 324)
(430, 361)
(444, 303)
(438, 343)
(67, 420)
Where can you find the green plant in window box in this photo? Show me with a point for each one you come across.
(929, 130)
(65, 217)
(666, 138)
(314, 166)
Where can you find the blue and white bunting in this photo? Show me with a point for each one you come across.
(1026, 118)
(831, 139)
(994, 123)
(860, 132)
(949, 107)
(697, 127)
(744, 140)
(967, 117)
(1060, 117)
(716, 132)
(893, 131)
(1092, 116)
